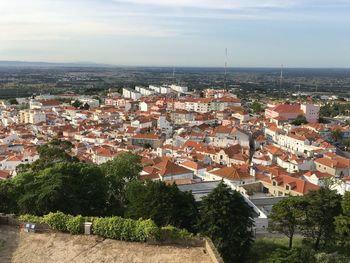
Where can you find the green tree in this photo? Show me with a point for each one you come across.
(342, 222)
(8, 196)
(164, 204)
(256, 107)
(50, 154)
(227, 219)
(337, 134)
(73, 188)
(287, 215)
(13, 101)
(300, 120)
(322, 207)
(119, 172)
(77, 104)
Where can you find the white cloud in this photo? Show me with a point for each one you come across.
(233, 4)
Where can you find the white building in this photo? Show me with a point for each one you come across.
(131, 94)
(32, 116)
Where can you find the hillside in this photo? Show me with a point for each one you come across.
(20, 247)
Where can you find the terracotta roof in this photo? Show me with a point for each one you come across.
(233, 173)
(168, 168)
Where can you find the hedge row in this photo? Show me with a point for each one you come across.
(110, 227)
(125, 229)
(58, 221)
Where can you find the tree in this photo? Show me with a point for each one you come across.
(50, 154)
(342, 222)
(86, 106)
(256, 107)
(164, 204)
(73, 188)
(120, 171)
(13, 101)
(300, 120)
(287, 215)
(322, 207)
(227, 219)
(77, 104)
(8, 197)
(337, 134)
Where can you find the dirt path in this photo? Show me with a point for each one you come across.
(21, 247)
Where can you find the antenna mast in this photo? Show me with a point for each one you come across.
(281, 79)
(225, 68)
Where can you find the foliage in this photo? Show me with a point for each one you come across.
(8, 195)
(13, 101)
(31, 218)
(172, 232)
(57, 221)
(73, 188)
(77, 104)
(120, 171)
(337, 134)
(50, 154)
(335, 109)
(300, 120)
(164, 204)
(256, 107)
(227, 220)
(74, 224)
(287, 215)
(322, 207)
(342, 222)
(124, 229)
(295, 255)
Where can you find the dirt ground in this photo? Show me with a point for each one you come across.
(21, 247)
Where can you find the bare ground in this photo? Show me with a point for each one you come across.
(20, 247)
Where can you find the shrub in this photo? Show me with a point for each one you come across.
(31, 219)
(124, 229)
(57, 221)
(75, 225)
(174, 233)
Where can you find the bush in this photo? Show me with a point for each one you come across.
(124, 229)
(174, 233)
(75, 225)
(57, 221)
(31, 219)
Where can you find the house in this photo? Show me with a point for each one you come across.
(147, 139)
(285, 185)
(231, 155)
(166, 170)
(333, 164)
(235, 174)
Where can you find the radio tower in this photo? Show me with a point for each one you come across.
(225, 68)
(281, 80)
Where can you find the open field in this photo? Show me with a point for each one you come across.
(21, 247)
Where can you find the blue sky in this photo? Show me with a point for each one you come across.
(257, 33)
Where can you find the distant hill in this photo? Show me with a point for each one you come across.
(4, 63)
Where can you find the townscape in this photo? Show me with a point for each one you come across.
(265, 149)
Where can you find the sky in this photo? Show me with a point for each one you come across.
(256, 33)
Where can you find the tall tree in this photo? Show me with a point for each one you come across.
(337, 134)
(73, 188)
(287, 215)
(165, 204)
(342, 222)
(120, 171)
(227, 219)
(322, 207)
